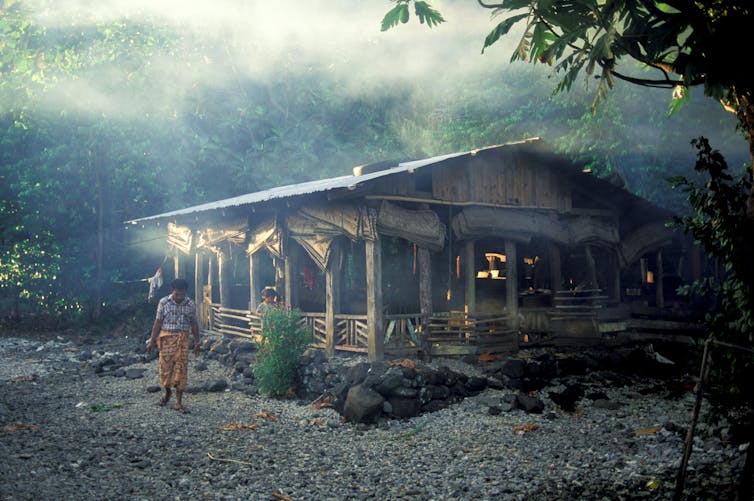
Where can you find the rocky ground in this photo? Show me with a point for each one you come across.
(79, 421)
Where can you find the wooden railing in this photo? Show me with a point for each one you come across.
(351, 331)
(459, 327)
(578, 304)
(403, 330)
(234, 322)
(315, 324)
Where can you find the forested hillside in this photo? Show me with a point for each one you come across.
(119, 110)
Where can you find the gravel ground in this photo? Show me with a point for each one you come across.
(70, 434)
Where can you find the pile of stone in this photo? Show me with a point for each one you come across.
(363, 392)
(366, 392)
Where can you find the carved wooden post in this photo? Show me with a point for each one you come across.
(470, 277)
(332, 296)
(209, 295)
(177, 272)
(425, 300)
(591, 267)
(616, 275)
(375, 327)
(280, 276)
(511, 281)
(290, 272)
(253, 282)
(556, 268)
(644, 269)
(223, 279)
(198, 280)
(659, 282)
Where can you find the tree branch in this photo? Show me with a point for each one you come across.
(490, 5)
(661, 84)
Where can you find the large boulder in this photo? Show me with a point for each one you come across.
(405, 407)
(568, 398)
(513, 368)
(529, 404)
(363, 405)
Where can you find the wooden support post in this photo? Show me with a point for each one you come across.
(591, 267)
(425, 301)
(556, 268)
(332, 296)
(253, 282)
(290, 272)
(223, 279)
(198, 280)
(659, 282)
(210, 271)
(211, 280)
(470, 276)
(375, 328)
(280, 276)
(644, 270)
(616, 275)
(177, 272)
(511, 281)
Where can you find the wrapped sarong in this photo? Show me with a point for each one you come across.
(173, 363)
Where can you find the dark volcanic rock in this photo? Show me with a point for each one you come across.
(404, 407)
(217, 386)
(363, 405)
(568, 398)
(513, 368)
(134, 373)
(529, 404)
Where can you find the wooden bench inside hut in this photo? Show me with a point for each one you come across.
(471, 252)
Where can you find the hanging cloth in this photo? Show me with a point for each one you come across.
(155, 282)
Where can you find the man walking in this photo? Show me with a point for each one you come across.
(176, 316)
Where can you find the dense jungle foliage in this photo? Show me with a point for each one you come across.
(110, 118)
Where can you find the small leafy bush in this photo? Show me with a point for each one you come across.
(283, 342)
(718, 221)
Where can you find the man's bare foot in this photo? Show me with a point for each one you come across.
(181, 409)
(165, 397)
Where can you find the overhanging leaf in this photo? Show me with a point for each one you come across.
(426, 13)
(398, 14)
(502, 29)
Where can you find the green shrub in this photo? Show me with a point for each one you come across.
(282, 343)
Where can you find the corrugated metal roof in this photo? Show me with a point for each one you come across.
(317, 186)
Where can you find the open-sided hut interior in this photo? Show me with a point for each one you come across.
(461, 253)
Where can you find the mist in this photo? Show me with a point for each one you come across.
(213, 43)
(126, 109)
(170, 56)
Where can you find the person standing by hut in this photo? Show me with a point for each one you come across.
(269, 301)
(176, 316)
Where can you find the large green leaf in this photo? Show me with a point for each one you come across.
(502, 29)
(427, 14)
(398, 14)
